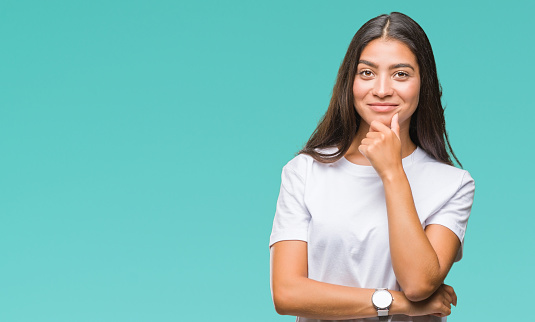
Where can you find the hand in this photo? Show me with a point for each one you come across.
(438, 304)
(382, 146)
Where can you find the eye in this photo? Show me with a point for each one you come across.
(366, 73)
(401, 74)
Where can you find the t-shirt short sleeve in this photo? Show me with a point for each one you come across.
(291, 215)
(455, 212)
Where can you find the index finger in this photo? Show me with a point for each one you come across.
(378, 126)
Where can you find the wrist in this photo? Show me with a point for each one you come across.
(400, 305)
(393, 174)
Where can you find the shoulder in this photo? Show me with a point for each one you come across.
(441, 173)
(302, 163)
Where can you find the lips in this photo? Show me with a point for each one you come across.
(383, 107)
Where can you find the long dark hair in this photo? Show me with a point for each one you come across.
(340, 123)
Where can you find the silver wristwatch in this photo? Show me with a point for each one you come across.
(382, 300)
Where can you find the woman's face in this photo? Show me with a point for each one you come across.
(387, 82)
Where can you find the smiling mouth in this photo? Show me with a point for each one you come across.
(383, 107)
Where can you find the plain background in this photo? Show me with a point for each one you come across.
(142, 144)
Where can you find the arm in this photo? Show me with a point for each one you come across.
(421, 259)
(295, 294)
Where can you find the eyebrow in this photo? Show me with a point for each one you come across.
(369, 63)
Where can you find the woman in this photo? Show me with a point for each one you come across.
(373, 201)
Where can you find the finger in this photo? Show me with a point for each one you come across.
(447, 287)
(445, 310)
(452, 293)
(448, 296)
(447, 303)
(378, 127)
(394, 126)
(375, 135)
(367, 141)
(362, 149)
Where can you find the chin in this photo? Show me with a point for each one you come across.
(386, 119)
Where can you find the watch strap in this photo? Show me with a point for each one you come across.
(383, 312)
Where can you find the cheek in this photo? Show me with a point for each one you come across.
(359, 90)
(411, 98)
(411, 93)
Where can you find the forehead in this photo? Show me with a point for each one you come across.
(387, 52)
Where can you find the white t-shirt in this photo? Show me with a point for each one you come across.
(339, 209)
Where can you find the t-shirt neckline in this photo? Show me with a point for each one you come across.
(358, 169)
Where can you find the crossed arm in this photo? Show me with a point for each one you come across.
(295, 294)
(421, 258)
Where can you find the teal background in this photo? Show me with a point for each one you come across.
(142, 144)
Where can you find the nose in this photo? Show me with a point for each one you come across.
(383, 87)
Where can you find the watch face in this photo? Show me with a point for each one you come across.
(382, 299)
